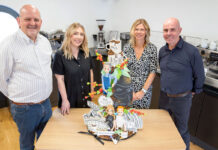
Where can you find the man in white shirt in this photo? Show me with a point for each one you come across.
(26, 76)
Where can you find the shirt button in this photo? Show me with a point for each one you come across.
(78, 65)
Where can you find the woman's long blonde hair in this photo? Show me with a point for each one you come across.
(66, 45)
(132, 34)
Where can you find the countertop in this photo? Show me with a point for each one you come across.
(61, 133)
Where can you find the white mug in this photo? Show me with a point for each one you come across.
(204, 43)
(114, 45)
(212, 45)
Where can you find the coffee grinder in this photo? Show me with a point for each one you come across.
(101, 40)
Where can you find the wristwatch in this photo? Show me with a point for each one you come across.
(144, 90)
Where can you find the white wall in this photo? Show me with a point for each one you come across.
(197, 17)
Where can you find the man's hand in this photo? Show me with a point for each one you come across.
(193, 93)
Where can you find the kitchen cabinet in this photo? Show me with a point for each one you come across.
(3, 101)
(54, 94)
(155, 92)
(197, 103)
(207, 130)
(97, 68)
(203, 121)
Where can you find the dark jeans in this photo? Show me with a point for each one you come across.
(179, 109)
(30, 120)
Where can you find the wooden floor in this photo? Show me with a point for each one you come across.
(9, 136)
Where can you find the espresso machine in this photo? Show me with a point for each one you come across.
(213, 66)
(100, 37)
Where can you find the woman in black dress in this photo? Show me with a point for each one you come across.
(73, 69)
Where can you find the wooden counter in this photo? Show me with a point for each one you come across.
(158, 133)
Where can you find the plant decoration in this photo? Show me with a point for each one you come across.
(99, 56)
(91, 94)
(132, 111)
(121, 69)
(136, 112)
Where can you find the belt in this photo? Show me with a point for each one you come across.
(178, 95)
(29, 103)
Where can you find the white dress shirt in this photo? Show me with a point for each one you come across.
(25, 68)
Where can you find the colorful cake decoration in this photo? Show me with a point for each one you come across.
(112, 118)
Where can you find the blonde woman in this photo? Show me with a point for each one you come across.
(142, 63)
(73, 69)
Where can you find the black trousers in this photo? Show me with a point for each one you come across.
(179, 109)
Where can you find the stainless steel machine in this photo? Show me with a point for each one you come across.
(124, 37)
(210, 59)
(213, 66)
(100, 36)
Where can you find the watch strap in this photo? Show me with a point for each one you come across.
(144, 90)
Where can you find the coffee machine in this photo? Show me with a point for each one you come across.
(100, 37)
(213, 65)
(124, 37)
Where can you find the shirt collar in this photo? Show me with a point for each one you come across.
(178, 45)
(80, 54)
(26, 38)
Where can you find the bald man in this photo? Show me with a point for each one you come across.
(182, 76)
(26, 77)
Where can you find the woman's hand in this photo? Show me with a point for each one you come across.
(65, 107)
(140, 94)
(134, 97)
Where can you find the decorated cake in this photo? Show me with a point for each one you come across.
(112, 117)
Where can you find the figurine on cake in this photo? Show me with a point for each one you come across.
(110, 118)
(120, 120)
(108, 80)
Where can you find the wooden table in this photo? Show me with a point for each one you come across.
(158, 133)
